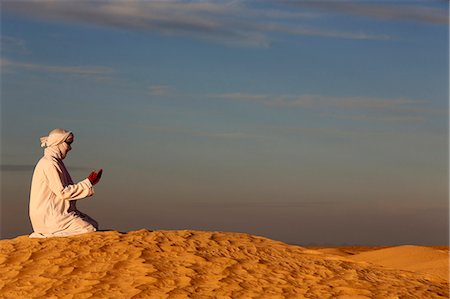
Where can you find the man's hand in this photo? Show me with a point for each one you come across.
(94, 177)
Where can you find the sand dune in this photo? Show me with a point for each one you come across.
(345, 250)
(195, 264)
(425, 260)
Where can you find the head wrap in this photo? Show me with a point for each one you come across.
(55, 137)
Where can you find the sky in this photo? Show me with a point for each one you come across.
(308, 122)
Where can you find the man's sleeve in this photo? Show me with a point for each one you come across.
(70, 192)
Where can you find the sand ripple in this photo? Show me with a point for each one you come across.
(195, 264)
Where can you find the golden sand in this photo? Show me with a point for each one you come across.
(413, 258)
(196, 264)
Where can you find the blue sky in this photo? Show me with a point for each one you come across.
(307, 122)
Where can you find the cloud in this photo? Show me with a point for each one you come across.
(391, 12)
(419, 137)
(13, 44)
(238, 96)
(203, 20)
(227, 135)
(311, 31)
(318, 101)
(98, 72)
(160, 90)
(233, 23)
(410, 119)
(390, 110)
(223, 135)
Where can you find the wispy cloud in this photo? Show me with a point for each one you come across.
(160, 90)
(234, 23)
(13, 44)
(410, 119)
(98, 72)
(227, 135)
(360, 133)
(224, 135)
(393, 110)
(311, 31)
(313, 101)
(239, 96)
(392, 12)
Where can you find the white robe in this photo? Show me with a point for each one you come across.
(53, 211)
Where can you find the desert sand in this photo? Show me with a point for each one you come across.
(197, 264)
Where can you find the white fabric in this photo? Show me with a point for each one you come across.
(57, 136)
(53, 211)
(58, 151)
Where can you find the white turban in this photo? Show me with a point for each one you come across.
(55, 137)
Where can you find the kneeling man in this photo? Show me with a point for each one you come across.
(53, 197)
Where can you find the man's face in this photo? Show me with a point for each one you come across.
(65, 148)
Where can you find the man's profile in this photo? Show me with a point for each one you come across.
(53, 211)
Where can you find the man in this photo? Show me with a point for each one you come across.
(53, 197)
